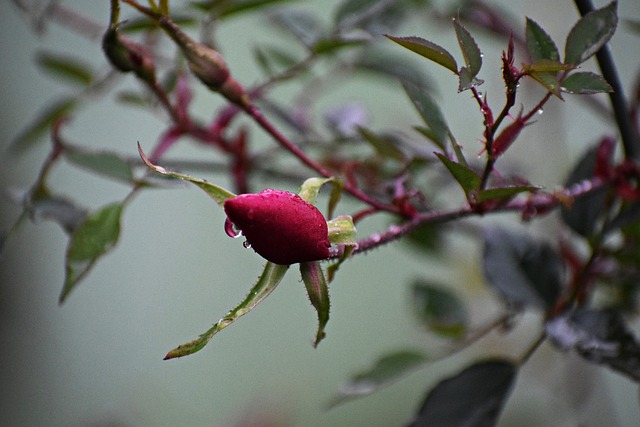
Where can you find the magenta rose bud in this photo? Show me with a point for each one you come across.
(280, 226)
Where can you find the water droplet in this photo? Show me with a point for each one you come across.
(540, 111)
(246, 244)
(231, 229)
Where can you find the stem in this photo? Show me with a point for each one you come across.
(628, 134)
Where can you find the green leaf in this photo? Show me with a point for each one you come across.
(585, 83)
(69, 69)
(472, 56)
(429, 50)
(468, 179)
(385, 370)
(590, 33)
(439, 310)
(42, 123)
(334, 43)
(318, 291)
(540, 46)
(311, 187)
(93, 238)
(225, 9)
(430, 113)
(267, 282)
(303, 25)
(525, 272)
(549, 80)
(104, 163)
(63, 211)
(218, 194)
(466, 80)
(547, 66)
(473, 397)
(504, 193)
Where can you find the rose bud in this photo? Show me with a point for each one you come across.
(280, 226)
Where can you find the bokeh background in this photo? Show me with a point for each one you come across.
(97, 360)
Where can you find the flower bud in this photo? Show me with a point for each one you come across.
(508, 135)
(127, 56)
(280, 226)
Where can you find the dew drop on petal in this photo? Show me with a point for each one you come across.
(246, 244)
(231, 229)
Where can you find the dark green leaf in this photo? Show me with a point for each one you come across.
(137, 25)
(549, 80)
(92, 239)
(272, 60)
(267, 282)
(332, 44)
(429, 50)
(466, 80)
(439, 310)
(104, 163)
(547, 66)
(590, 33)
(468, 179)
(504, 193)
(470, 50)
(586, 213)
(525, 272)
(430, 113)
(373, 16)
(585, 83)
(386, 145)
(601, 336)
(42, 123)
(472, 398)
(318, 291)
(539, 44)
(385, 371)
(427, 237)
(69, 69)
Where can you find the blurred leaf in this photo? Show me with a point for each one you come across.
(472, 398)
(585, 83)
(69, 69)
(272, 60)
(427, 237)
(373, 16)
(93, 238)
(267, 282)
(391, 65)
(439, 310)
(226, 8)
(590, 33)
(586, 213)
(468, 179)
(385, 371)
(540, 46)
(633, 25)
(430, 113)
(132, 98)
(141, 24)
(318, 292)
(332, 44)
(525, 272)
(42, 123)
(104, 163)
(429, 50)
(504, 193)
(218, 194)
(472, 58)
(385, 145)
(56, 208)
(303, 25)
(600, 336)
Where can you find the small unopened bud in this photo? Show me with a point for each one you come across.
(507, 136)
(280, 226)
(128, 56)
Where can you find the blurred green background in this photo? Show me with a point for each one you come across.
(97, 360)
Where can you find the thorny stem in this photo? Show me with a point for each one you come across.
(628, 134)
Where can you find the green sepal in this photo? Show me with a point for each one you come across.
(267, 282)
(318, 291)
(311, 187)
